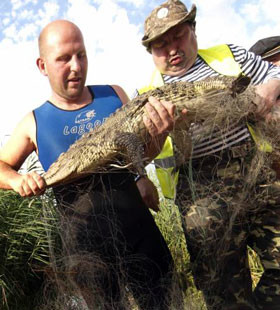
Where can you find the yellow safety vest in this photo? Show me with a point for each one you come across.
(219, 58)
(165, 161)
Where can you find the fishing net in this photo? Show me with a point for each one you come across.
(75, 271)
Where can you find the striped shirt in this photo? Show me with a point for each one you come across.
(251, 65)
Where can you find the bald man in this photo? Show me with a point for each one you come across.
(104, 219)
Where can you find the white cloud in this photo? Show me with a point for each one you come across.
(28, 31)
(22, 88)
(10, 31)
(6, 21)
(264, 18)
(17, 4)
(252, 12)
(48, 12)
(23, 24)
(219, 23)
(233, 21)
(137, 3)
(270, 9)
(26, 15)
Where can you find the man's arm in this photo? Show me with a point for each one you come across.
(12, 156)
(264, 75)
(159, 121)
(269, 93)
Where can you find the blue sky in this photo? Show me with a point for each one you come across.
(113, 30)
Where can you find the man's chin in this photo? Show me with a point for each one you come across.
(74, 92)
(176, 71)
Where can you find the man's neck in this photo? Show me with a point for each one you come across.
(72, 103)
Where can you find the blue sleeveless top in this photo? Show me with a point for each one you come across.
(57, 129)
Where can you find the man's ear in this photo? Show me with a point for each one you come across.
(41, 64)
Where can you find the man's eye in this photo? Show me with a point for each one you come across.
(159, 44)
(82, 55)
(63, 58)
(180, 34)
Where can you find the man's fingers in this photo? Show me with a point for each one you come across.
(162, 107)
(31, 184)
(40, 182)
(156, 112)
(159, 117)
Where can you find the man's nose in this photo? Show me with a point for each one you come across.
(75, 63)
(172, 48)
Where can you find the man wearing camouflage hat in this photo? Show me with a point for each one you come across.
(268, 49)
(217, 233)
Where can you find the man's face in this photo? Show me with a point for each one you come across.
(275, 59)
(175, 51)
(66, 63)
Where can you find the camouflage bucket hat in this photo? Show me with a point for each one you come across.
(266, 47)
(164, 17)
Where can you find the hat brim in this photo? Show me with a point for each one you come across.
(272, 52)
(190, 16)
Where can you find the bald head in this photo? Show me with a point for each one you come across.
(63, 60)
(55, 32)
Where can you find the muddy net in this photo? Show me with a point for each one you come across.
(92, 262)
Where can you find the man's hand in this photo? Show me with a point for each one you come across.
(269, 93)
(149, 193)
(160, 116)
(159, 121)
(31, 184)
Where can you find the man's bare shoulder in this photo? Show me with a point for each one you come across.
(121, 93)
(26, 127)
(21, 143)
